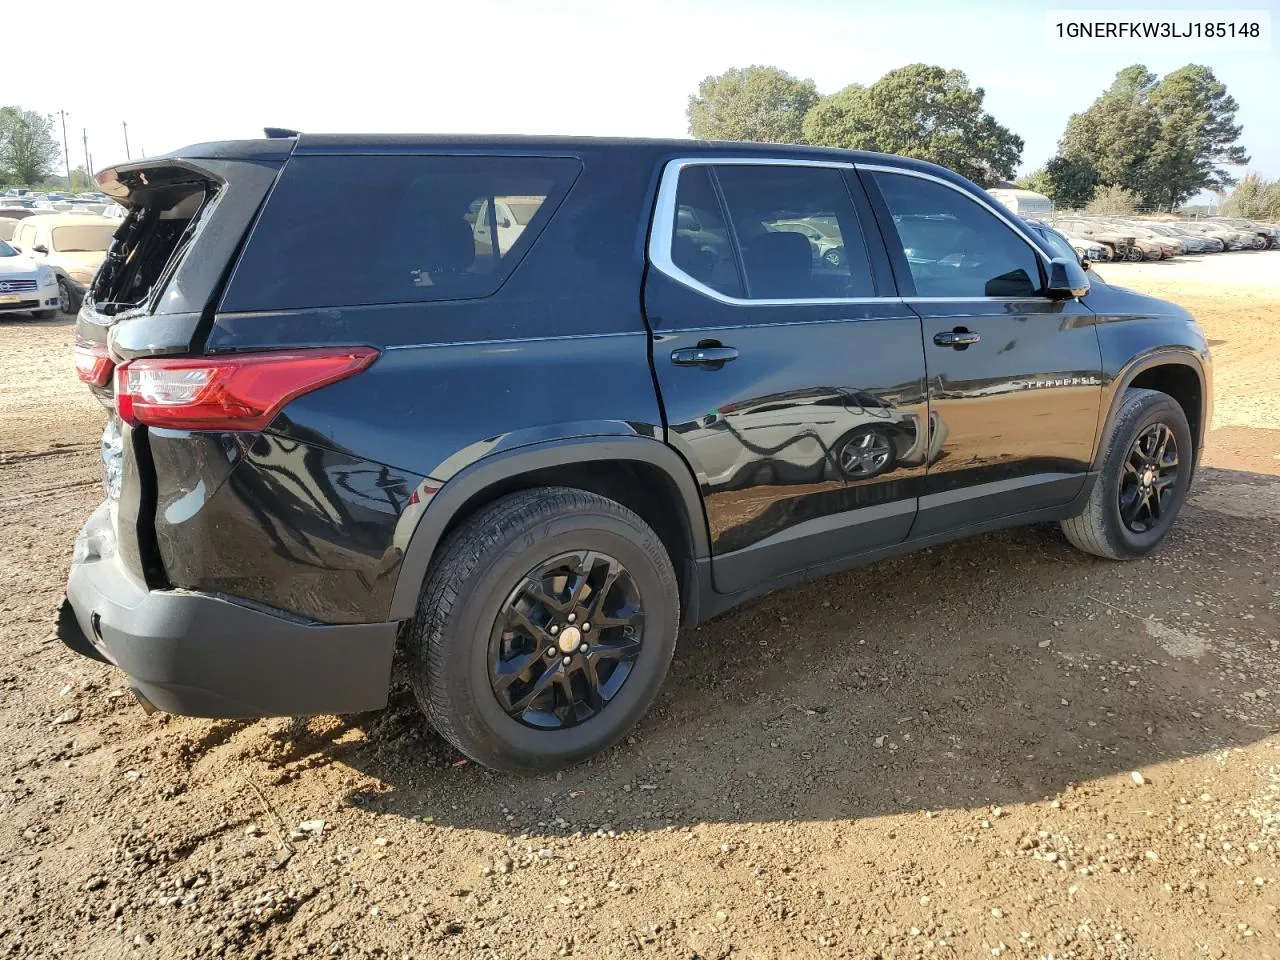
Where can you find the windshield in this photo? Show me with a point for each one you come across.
(6, 250)
(83, 238)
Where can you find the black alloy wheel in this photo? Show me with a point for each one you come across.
(1148, 478)
(566, 640)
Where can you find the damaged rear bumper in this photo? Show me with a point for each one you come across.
(201, 655)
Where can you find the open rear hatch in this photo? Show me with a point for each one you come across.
(154, 295)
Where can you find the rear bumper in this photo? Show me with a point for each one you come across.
(201, 655)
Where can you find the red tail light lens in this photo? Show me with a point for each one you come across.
(93, 363)
(236, 392)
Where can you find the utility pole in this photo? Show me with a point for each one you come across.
(66, 153)
(88, 162)
(125, 125)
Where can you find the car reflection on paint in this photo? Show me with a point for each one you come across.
(834, 433)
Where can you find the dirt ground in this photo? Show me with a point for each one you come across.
(936, 756)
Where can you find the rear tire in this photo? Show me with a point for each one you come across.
(1105, 528)
(488, 608)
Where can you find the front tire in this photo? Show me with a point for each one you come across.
(1143, 482)
(545, 627)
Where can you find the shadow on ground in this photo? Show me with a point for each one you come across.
(996, 670)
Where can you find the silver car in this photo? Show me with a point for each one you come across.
(26, 286)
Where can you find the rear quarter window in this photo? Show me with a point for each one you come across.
(351, 231)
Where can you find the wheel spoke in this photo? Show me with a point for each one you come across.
(1163, 435)
(1130, 505)
(551, 676)
(599, 597)
(622, 649)
(538, 592)
(593, 698)
(568, 713)
(586, 564)
(517, 620)
(509, 671)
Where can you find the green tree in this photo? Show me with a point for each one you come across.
(751, 103)
(28, 150)
(1198, 135)
(1165, 140)
(919, 111)
(1112, 201)
(836, 120)
(1254, 198)
(1068, 181)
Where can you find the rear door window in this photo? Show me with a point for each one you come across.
(349, 231)
(798, 232)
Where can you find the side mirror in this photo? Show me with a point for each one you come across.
(1084, 264)
(40, 248)
(504, 223)
(1067, 279)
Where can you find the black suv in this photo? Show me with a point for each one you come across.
(530, 404)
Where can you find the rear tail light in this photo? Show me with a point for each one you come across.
(234, 392)
(93, 363)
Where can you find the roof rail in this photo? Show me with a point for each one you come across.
(279, 133)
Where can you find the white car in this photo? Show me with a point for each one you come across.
(26, 286)
(512, 215)
(74, 242)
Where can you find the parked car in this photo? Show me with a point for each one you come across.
(1062, 246)
(510, 216)
(1169, 246)
(1232, 238)
(824, 238)
(336, 416)
(1191, 242)
(76, 243)
(1264, 236)
(1122, 246)
(1090, 250)
(26, 286)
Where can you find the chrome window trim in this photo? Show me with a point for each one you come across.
(920, 174)
(664, 219)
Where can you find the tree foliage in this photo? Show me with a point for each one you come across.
(1068, 181)
(751, 103)
(1254, 198)
(1164, 139)
(1112, 201)
(919, 111)
(28, 150)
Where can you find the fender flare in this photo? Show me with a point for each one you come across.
(474, 479)
(1166, 356)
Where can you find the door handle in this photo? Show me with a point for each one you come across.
(703, 356)
(959, 338)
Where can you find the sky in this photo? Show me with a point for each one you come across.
(181, 73)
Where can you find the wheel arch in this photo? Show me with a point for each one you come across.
(1176, 372)
(646, 476)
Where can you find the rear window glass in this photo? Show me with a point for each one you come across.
(347, 231)
(90, 238)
